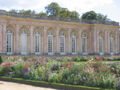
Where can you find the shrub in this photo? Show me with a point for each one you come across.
(78, 59)
(55, 78)
(55, 67)
(18, 70)
(1, 60)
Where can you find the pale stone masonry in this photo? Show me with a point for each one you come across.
(26, 36)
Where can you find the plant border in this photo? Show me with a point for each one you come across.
(49, 85)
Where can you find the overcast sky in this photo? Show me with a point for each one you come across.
(111, 8)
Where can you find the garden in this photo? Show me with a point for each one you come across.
(101, 72)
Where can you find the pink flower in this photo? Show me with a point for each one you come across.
(7, 64)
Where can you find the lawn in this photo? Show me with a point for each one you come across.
(85, 71)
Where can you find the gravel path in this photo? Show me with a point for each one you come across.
(16, 86)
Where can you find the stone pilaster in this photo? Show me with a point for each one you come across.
(68, 41)
(45, 39)
(17, 50)
(78, 41)
(1, 38)
(116, 42)
(31, 40)
(4, 44)
(106, 42)
(57, 43)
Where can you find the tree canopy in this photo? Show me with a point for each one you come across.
(54, 9)
(91, 15)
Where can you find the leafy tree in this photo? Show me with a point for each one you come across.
(91, 15)
(27, 11)
(64, 13)
(53, 9)
(101, 17)
(74, 15)
(43, 14)
(13, 11)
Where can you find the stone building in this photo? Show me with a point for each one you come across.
(45, 36)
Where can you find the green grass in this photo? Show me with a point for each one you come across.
(59, 84)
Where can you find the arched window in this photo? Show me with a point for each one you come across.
(50, 43)
(62, 43)
(23, 43)
(37, 42)
(73, 44)
(101, 44)
(9, 42)
(111, 44)
(84, 43)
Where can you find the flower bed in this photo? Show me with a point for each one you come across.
(66, 70)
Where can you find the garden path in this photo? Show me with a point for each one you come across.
(17, 86)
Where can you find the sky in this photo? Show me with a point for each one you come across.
(111, 8)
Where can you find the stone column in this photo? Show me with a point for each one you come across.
(1, 38)
(4, 45)
(68, 42)
(17, 50)
(31, 40)
(45, 44)
(116, 42)
(78, 41)
(95, 39)
(57, 44)
(106, 42)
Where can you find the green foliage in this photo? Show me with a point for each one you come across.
(91, 15)
(42, 14)
(79, 59)
(52, 9)
(27, 12)
(5, 71)
(64, 70)
(55, 78)
(18, 70)
(1, 60)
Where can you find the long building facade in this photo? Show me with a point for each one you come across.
(26, 36)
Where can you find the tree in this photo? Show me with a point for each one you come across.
(53, 9)
(13, 11)
(43, 14)
(27, 11)
(101, 17)
(74, 15)
(64, 13)
(91, 15)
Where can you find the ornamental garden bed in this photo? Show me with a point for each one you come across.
(73, 72)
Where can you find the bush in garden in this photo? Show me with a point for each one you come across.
(6, 68)
(78, 59)
(1, 60)
(69, 74)
(117, 84)
(18, 70)
(55, 67)
(55, 78)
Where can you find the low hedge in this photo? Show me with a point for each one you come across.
(47, 84)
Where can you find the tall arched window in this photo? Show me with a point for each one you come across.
(84, 43)
(101, 44)
(9, 42)
(62, 43)
(50, 43)
(111, 44)
(23, 43)
(37, 42)
(73, 44)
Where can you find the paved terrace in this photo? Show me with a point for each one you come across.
(37, 16)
